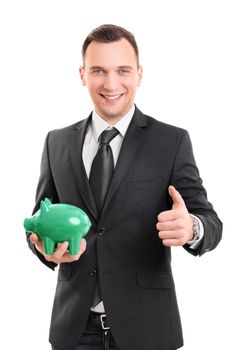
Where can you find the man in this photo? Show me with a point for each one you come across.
(142, 192)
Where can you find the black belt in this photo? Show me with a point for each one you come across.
(99, 320)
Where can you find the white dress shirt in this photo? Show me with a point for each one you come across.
(90, 148)
(97, 126)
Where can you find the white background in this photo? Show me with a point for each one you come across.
(186, 52)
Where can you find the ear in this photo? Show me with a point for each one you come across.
(47, 202)
(43, 209)
(83, 75)
(140, 73)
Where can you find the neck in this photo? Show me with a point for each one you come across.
(112, 120)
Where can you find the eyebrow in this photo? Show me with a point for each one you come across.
(125, 67)
(96, 67)
(119, 67)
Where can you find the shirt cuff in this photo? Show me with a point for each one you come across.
(196, 242)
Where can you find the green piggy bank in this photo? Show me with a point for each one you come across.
(56, 223)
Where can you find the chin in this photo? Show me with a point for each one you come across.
(115, 112)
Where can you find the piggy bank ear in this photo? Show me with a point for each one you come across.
(43, 209)
(47, 202)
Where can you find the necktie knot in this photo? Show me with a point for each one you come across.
(107, 135)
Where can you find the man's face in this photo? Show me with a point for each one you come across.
(112, 77)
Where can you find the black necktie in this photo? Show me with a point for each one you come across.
(102, 168)
(100, 178)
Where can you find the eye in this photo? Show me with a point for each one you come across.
(98, 71)
(123, 71)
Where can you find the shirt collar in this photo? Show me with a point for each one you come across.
(98, 124)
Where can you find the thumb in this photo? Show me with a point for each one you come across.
(34, 238)
(178, 201)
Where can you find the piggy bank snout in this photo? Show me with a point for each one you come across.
(28, 224)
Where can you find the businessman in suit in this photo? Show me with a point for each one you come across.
(137, 180)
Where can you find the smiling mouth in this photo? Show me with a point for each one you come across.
(111, 97)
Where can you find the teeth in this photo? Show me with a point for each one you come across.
(112, 97)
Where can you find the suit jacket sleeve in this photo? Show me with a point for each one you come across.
(186, 179)
(45, 188)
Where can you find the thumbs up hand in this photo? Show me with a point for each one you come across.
(175, 226)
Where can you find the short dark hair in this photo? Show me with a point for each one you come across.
(108, 33)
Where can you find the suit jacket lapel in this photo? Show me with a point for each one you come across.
(76, 146)
(133, 139)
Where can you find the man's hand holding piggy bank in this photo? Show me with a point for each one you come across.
(60, 224)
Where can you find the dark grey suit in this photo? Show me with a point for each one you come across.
(123, 247)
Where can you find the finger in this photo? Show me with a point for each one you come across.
(66, 257)
(179, 223)
(178, 201)
(82, 248)
(170, 234)
(83, 245)
(166, 225)
(168, 215)
(35, 239)
(171, 242)
(60, 251)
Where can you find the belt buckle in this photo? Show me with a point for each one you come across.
(103, 322)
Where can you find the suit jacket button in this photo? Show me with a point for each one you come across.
(92, 273)
(101, 231)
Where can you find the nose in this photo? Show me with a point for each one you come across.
(111, 82)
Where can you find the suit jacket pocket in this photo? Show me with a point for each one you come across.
(64, 272)
(155, 279)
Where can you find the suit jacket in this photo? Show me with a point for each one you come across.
(123, 248)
